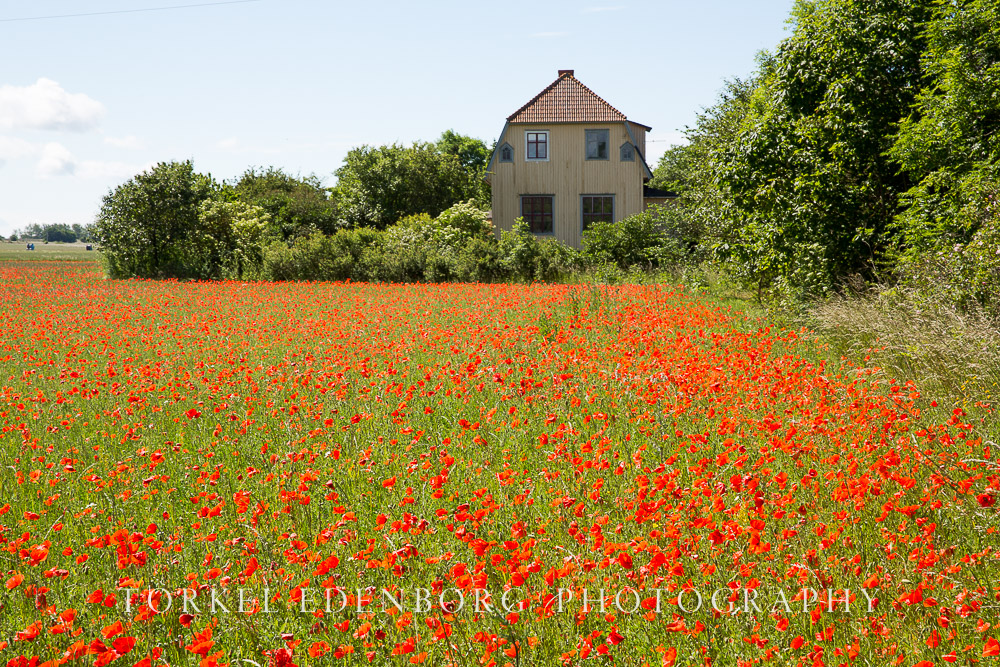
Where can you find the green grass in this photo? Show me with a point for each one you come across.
(63, 252)
(518, 438)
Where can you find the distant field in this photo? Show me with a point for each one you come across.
(72, 252)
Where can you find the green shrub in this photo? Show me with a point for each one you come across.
(526, 257)
(636, 240)
(146, 227)
(345, 255)
(458, 245)
(229, 240)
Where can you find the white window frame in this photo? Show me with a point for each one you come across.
(548, 147)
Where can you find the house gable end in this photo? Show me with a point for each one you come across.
(566, 100)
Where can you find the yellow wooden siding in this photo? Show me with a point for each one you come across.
(566, 176)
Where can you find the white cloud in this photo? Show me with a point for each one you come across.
(12, 148)
(110, 171)
(131, 142)
(44, 105)
(230, 144)
(546, 35)
(56, 160)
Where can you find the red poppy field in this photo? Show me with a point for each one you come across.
(312, 474)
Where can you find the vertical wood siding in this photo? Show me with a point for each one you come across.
(566, 176)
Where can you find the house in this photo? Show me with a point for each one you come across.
(567, 159)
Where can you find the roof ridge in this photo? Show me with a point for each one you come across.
(543, 91)
(568, 76)
(584, 86)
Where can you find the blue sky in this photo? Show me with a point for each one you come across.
(88, 101)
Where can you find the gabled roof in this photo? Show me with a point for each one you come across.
(566, 100)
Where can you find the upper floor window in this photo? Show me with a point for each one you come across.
(627, 152)
(597, 144)
(536, 145)
(506, 153)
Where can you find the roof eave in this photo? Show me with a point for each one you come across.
(493, 156)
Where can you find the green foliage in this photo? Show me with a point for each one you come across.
(676, 170)
(793, 170)
(981, 263)
(474, 156)
(472, 153)
(229, 240)
(59, 233)
(458, 245)
(378, 186)
(296, 206)
(147, 226)
(950, 141)
(33, 231)
(54, 233)
(335, 257)
(529, 258)
(636, 240)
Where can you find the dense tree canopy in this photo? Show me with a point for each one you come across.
(296, 206)
(795, 167)
(146, 226)
(378, 186)
(949, 142)
(54, 232)
(472, 153)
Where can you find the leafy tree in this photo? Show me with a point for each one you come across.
(297, 206)
(229, 241)
(53, 232)
(636, 240)
(472, 153)
(33, 231)
(808, 190)
(82, 232)
(950, 141)
(703, 220)
(146, 226)
(525, 256)
(676, 169)
(378, 186)
(59, 233)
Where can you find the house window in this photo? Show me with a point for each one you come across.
(537, 212)
(627, 152)
(537, 145)
(598, 208)
(506, 153)
(597, 144)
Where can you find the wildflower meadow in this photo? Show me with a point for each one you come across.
(213, 473)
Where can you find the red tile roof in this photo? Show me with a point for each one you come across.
(566, 100)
